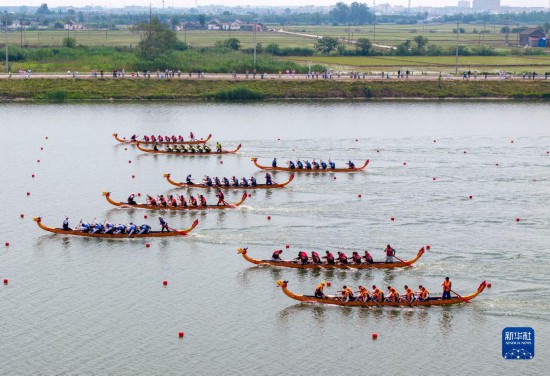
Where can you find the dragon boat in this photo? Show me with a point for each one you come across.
(150, 234)
(298, 265)
(258, 186)
(194, 142)
(269, 168)
(333, 300)
(168, 207)
(186, 154)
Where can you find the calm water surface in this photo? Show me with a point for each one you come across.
(89, 306)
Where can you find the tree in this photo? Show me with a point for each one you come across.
(340, 13)
(359, 14)
(363, 46)
(404, 48)
(58, 24)
(69, 42)
(326, 45)
(273, 49)
(202, 19)
(232, 43)
(156, 39)
(80, 16)
(43, 9)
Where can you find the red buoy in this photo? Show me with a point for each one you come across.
(359, 195)
(497, 164)
(404, 163)
(139, 194)
(433, 179)
(268, 217)
(28, 193)
(287, 246)
(38, 161)
(180, 334)
(129, 161)
(548, 152)
(46, 137)
(41, 148)
(165, 283)
(428, 247)
(32, 175)
(278, 139)
(374, 336)
(464, 151)
(378, 151)
(470, 197)
(250, 195)
(517, 219)
(335, 178)
(221, 162)
(488, 285)
(356, 140)
(133, 176)
(393, 218)
(7, 244)
(512, 141)
(22, 215)
(147, 245)
(145, 216)
(435, 141)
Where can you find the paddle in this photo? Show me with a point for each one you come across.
(404, 262)
(464, 299)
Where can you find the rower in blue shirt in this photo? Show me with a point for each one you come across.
(253, 181)
(308, 165)
(108, 228)
(291, 165)
(274, 163)
(131, 229)
(351, 164)
(217, 181)
(331, 164)
(225, 181)
(119, 229)
(268, 179)
(144, 229)
(208, 181)
(300, 164)
(323, 164)
(188, 179)
(244, 182)
(97, 228)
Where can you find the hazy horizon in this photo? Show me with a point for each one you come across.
(254, 3)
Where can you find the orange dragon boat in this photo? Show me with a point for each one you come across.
(201, 141)
(168, 207)
(333, 300)
(258, 186)
(150, 234)
(298, 265)
(269, 168)
(187, 154)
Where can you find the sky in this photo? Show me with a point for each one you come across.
(252, 3)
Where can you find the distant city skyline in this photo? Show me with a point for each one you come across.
(254, 3)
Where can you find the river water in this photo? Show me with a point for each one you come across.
(92, 306)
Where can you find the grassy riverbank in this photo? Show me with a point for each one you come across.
(131, 89)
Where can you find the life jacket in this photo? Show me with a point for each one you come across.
(183, 201)
(368, 257)
(390, 251)
(131, 197)
(220, 195)
(276, 254)
(446, 286)
(424, 294)
(332, 165)
(193, 201)
(303, 255)
(330, 256)
(324, 165)
(348, 293)
(315, 256)
(357, 258)
(163, 201)
(319, 287)
(410, 295)
(180, 138)
(342, 257)
(174, 202)
(203, 201)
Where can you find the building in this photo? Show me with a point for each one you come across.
(486, 5)
(464, 4)
(532, 38)
(214, 25)
(73, 25)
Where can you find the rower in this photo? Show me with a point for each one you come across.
(323, 165)
(188, 179)
(302, 256)
(276, 256)
(208, 181)
(185, 149)
(225, 182)
(217, 181)
(221, 198)
(132, 199)
(97, 228)
(308, 165)
(300, 165)
(364, 294)
(66, 224)
(218, 147)
(108, 228)
(162, 200)
(291, 165)
(268, 179)
(319, 294)
(146, 138)
(244, 182)
(315, 258)
(163, 225)
(274, 163)
(315, 165)
(409, 294)
(144, 229)
(390, 253)
(253, 181)
(152, 200)
(423, 294)
(174, 139)
(368, 258)
(85, 227)
(161, 139)
(330, 258)
(131, 229)
(234, 182)
(350, 164)
(193, 201)
(155, 147)
(180, 138)
(192, 149)
(134, 137)
(191, 136)
(377, 294)
(446, 288)
(393, 295)
(331, 164)
(356, 257)
(199, 148)
(119, 229)
(173, 201)
(342, 258)
(153, 138)
(203, 200)
(169, 148)
(206, 149)
(183, 201)
(347, 294)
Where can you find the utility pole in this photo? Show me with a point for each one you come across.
(255, 43)
(21, 31)
(374, 14)
(7, 58)
(456, 57)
